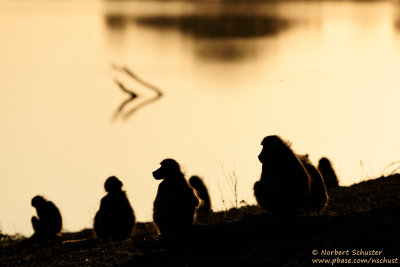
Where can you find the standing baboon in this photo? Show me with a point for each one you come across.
(284, 186)
(175, 203)
(48, 223)
(327, 171)
(318, 194)
(115, 218)
(204, 208)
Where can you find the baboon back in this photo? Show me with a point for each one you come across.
(204, 207)
(174, 205)
(318, 194)
(327, 172)
(115, 218)
(284, 186)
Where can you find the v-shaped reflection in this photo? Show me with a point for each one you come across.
(120, 112)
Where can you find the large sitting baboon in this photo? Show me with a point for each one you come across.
(175, 202)
(204, 208)
(318, 194)
(48, 223)
(115, 218)
(284, 186)
(327, 171)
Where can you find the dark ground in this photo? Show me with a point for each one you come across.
(365, 216)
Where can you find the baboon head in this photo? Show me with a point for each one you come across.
(169, 168)
(38, 201)
(273, 146)
(195, 182)
(324, 163)
(113, 184)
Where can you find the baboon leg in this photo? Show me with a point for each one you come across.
(260, 193)
(160, 223)
(36, 224)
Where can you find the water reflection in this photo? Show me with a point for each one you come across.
(397, 17)
(133, 96)
(223, 26)
(220, 36)
(329, 83)
(225, 51)
(116, 22)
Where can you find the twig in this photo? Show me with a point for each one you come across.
(149, 101)
(150, 86)
(390, 166)
(232, 181)
(222, 195)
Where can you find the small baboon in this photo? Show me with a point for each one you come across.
(284, 187)
(115, 219)
(327, 171)
(175, 203)
(318, 194)
(204, 208)
(48, 223)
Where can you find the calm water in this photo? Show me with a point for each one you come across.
(324, 75)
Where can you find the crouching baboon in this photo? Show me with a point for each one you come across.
(175, 202)
(318, 193)
(115, 218)
(284, 186)
(204, 208)
(48, 223)
(326, 169)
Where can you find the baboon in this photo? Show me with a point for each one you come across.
(204, 208)
(327, 171)
(318, 194)
(284, 187)
(115, 218)
(175, 203)
(48, 223)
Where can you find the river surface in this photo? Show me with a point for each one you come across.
(324, 75)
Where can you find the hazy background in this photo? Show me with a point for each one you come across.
(324, 75)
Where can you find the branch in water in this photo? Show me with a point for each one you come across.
(150, 86)
(133, 96)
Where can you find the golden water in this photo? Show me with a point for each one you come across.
(324, 75)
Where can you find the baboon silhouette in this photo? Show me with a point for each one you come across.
(175, 202)
(284, 186)
(204, 208)
(327, 171)
(48, 223)
(115, 219)
(318, 194)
